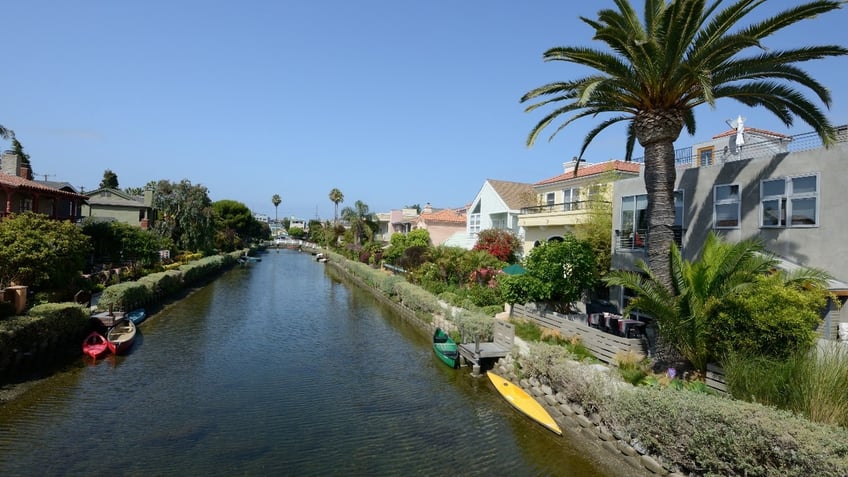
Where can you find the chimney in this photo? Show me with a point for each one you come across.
(428, 209)
(25, 172)
(572, 166)
(10, 163)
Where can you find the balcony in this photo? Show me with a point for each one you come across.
(638, 241)
(567, 213)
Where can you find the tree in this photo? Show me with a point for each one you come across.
(360, 220)
(685, 313)
(115, 242)
(134, 191)
(276, 201)
(235, 225)
(686, 53)
(336, 197)
(40, 252)
(110, 180)
(400, 242)
(6, 133)
(186, 216)
(503, 244)
(18, 149)
(567, 269)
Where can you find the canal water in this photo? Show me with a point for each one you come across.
(279, 368)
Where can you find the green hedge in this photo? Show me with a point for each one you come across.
(48, 321)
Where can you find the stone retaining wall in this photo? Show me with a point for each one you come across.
(576, 422)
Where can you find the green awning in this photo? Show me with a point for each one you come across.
(514, 269)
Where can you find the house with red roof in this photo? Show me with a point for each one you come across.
(20, 193)
(565, 201)
(441, 224)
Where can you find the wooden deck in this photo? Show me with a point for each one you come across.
(476, 352)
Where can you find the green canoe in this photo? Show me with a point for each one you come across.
(445, 348)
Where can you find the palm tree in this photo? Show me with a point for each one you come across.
(359, 219)
(336, 196)
(276, 201)
(6, 133)
(682, 54)
(685, 311)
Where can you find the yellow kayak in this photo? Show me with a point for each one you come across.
(523, 402)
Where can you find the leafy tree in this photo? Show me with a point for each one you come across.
(186, 216)
(417, 207)
(567, 269)
(400, 242)
(521, 288)
(679, 55)
(110, 179)
(236, 226)
(336, 197)
(686, 314)
(135, 191)
(276, 200)
(40, 252)
(502, 244)
(596, 230)
(116, 242)
(297, 233)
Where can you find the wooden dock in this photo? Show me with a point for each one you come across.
(476, 352)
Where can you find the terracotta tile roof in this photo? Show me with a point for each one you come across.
(21, 183)
(595, 169)
(444, 215)
(515, 194)
(761, 132)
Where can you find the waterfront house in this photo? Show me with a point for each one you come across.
(111, 204)
(497, 205)
(441, 224)
(565, 201)
(394, 222)
(745, 183)
(20, 193)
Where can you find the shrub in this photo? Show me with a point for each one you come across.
(715, 436)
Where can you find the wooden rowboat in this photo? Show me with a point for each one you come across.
(445, 348)
(94, 344)
(121, 336)
(525, 403)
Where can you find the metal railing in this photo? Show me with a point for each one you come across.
(562, 207)
(638, 240)
(685, 157)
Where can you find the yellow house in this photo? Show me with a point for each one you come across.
(565, 201)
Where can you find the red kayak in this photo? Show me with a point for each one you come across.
(94, 344)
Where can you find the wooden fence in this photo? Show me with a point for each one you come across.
(603, 345)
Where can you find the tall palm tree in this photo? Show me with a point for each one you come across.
(276, 201)
(685, 311)
(681, 54)
(336, 196)
(6, 133)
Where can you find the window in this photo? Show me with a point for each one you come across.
(634, 220)
(705, 156)
(789, 201)
(726, 206)
(474, 220)
(570, 197)
(550, 198)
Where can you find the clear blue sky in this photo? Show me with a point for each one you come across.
(394, 103)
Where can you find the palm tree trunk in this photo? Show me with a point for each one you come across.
(656, 131)
(660, 176)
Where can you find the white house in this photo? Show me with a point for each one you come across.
(496, 206)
